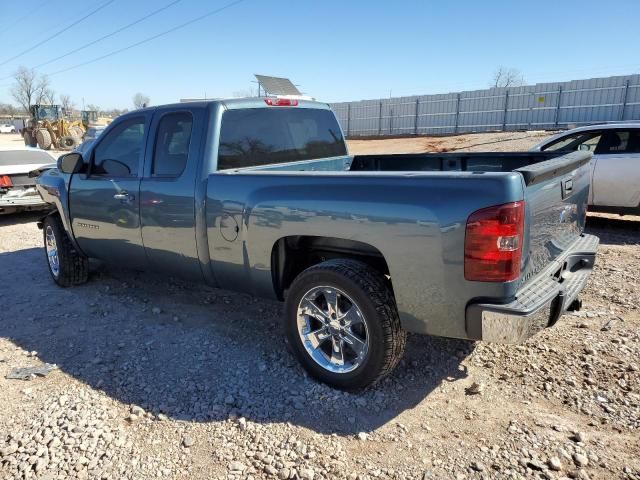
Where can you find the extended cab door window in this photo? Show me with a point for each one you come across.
(119, 153)
(172, 144)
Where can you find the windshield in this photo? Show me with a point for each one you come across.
(48, 113)
(262, 136)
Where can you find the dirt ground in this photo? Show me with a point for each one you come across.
(476, 142)
(158, 378)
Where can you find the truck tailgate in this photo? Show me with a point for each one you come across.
(556, 195)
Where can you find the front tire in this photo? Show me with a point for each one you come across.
(66, 265)
(342, 323)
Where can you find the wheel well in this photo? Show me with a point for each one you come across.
(291, 255)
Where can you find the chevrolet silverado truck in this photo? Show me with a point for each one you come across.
(261, 196)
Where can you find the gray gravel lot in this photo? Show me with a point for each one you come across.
(158, 378)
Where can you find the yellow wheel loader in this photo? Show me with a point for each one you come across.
(47, 129)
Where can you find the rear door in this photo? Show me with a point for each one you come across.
(616, 177)
(104, 203)
(167, 201)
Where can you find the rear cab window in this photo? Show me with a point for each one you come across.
(263, 136)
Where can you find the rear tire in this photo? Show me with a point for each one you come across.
(66, 265)
(379, 338)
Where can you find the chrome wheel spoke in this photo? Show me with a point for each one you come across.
(355, 343)
(331, 296)
(313, 310)
(337, 351)
(317, 337)
(352, 316)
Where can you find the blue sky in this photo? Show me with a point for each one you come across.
(335, 50)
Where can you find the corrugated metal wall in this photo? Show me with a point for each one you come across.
(533, 107)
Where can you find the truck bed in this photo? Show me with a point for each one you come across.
(421, 202)
(530, 164)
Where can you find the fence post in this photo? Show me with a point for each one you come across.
(506, 104)
(380, 120)
(390, 120)
(348, 119)
(557, 114)
(415, 123)
(624, 99)
(455, 129)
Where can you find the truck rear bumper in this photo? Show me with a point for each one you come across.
(540, 302)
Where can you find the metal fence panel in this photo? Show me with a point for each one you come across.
(531, 107)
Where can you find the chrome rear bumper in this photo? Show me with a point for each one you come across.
(540, 302)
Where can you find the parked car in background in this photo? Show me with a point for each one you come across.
(261, 196)
(7, 128)
(615, 176)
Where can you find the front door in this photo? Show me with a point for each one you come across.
(616, 178)
(105, 202)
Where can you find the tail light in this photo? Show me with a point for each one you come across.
(281, 102)
(493, 243)
(5, 181)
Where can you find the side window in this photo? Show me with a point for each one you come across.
(577, 141)
(172, 144)
(634, 141)
(119, 152)
(614, 141)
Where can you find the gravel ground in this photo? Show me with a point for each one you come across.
(158, 378)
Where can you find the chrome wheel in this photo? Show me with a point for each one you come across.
(52, 251)
(332, 329)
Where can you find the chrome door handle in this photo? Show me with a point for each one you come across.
(123, 196)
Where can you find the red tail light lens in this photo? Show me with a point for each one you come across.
(281, 102)
(493, 243)
(5, 181)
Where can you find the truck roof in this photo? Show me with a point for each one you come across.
(233, 103)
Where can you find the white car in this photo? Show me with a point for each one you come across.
(615, 177)
(17, 187)
(7, 128)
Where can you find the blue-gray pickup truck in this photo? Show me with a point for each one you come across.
(261, 196)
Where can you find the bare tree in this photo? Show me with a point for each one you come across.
(29, 88)
(7, 109)
(507, 77)
(66, 102)
(48, 96)
(93, 108)
(141, 100)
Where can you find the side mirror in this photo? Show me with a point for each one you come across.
(584, 147)
(70, 163)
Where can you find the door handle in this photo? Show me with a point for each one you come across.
(123, 196)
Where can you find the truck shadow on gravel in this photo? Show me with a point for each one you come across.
(198, 354)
